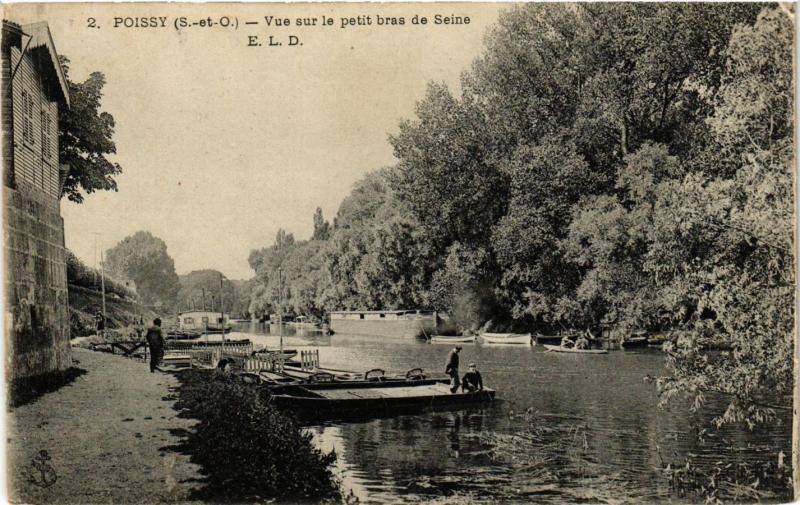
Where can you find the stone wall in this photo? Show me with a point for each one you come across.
(36, 307)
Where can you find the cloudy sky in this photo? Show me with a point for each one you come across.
(222, 144)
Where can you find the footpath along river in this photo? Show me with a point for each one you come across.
(567, 428)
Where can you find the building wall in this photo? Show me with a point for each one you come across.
(36, 307)
(37, 310)
(33, 163)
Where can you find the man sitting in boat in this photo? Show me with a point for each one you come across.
(567, 342)
(582, 342)
(472, 380)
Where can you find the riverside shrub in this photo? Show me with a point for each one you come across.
(248, 449)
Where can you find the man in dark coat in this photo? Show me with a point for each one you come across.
(451, 368)
(472, 380)
(155, 340)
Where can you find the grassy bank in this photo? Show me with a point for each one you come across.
(248, 450)
(84, 304)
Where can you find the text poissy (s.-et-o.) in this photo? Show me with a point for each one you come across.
(272, 21)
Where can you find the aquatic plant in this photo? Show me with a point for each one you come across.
(248, 449)
(733, 481)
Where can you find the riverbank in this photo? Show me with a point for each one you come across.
(84, 304)
(109, 435)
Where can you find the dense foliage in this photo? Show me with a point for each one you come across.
(205, 287)
(607, 166)
(143, 258)
(248, 449)
(78, 274)
(85, 139)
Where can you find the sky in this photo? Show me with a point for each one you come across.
(222, 144)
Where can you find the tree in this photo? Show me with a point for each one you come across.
(143, 258)
(443, 174)
(743, 279)
(198, 282)
(322, 229)
(85, 139)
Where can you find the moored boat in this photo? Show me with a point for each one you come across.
(274, 354)
(330, 399)
(384, 323)
(548, 339)
(558, 348)
(453, 339)
(507, 338)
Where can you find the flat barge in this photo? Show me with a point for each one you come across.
(325, 400)
(385, 323)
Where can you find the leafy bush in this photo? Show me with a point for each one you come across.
(248, 449)
(79, 274)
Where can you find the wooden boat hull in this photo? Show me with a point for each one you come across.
(373, 398)
(548, 339)
(635, 342)
(558, 348)
(507, 338)
(445, 339)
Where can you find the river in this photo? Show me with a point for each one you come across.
(566, 428)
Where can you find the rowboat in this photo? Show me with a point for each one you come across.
(635, 341)
(558, 348)
(452, 339)
(274, 354)
(323, 400)
(548, 339)
(507, 338)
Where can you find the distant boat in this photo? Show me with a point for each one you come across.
(558, 348)
(453, 339)
(274, 354)
(635, 341)
(548, 339)
(507, 338)
(384, 323)
(301, 322)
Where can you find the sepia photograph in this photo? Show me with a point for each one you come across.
(399, 253)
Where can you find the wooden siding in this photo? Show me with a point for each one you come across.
(34, 166)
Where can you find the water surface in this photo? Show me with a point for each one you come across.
(567, 428)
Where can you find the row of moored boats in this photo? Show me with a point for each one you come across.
(520, 339)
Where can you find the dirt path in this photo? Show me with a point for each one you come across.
(109, 436)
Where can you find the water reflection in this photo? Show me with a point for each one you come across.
(568, 428)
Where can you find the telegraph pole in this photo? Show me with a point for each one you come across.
(280, 318)
(221, 308)
(103, 285)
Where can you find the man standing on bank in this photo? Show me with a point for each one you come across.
(451, 368)
(155, 340)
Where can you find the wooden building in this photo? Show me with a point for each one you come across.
(34, 87)
(200, 320)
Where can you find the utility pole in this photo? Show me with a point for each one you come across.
(221, 308)
(280, 318)
(94, 266)
(103, 284)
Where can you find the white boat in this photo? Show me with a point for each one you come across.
(558, 348)
(507, 338)
(452, 339)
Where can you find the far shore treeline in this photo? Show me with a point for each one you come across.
(626, 166)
